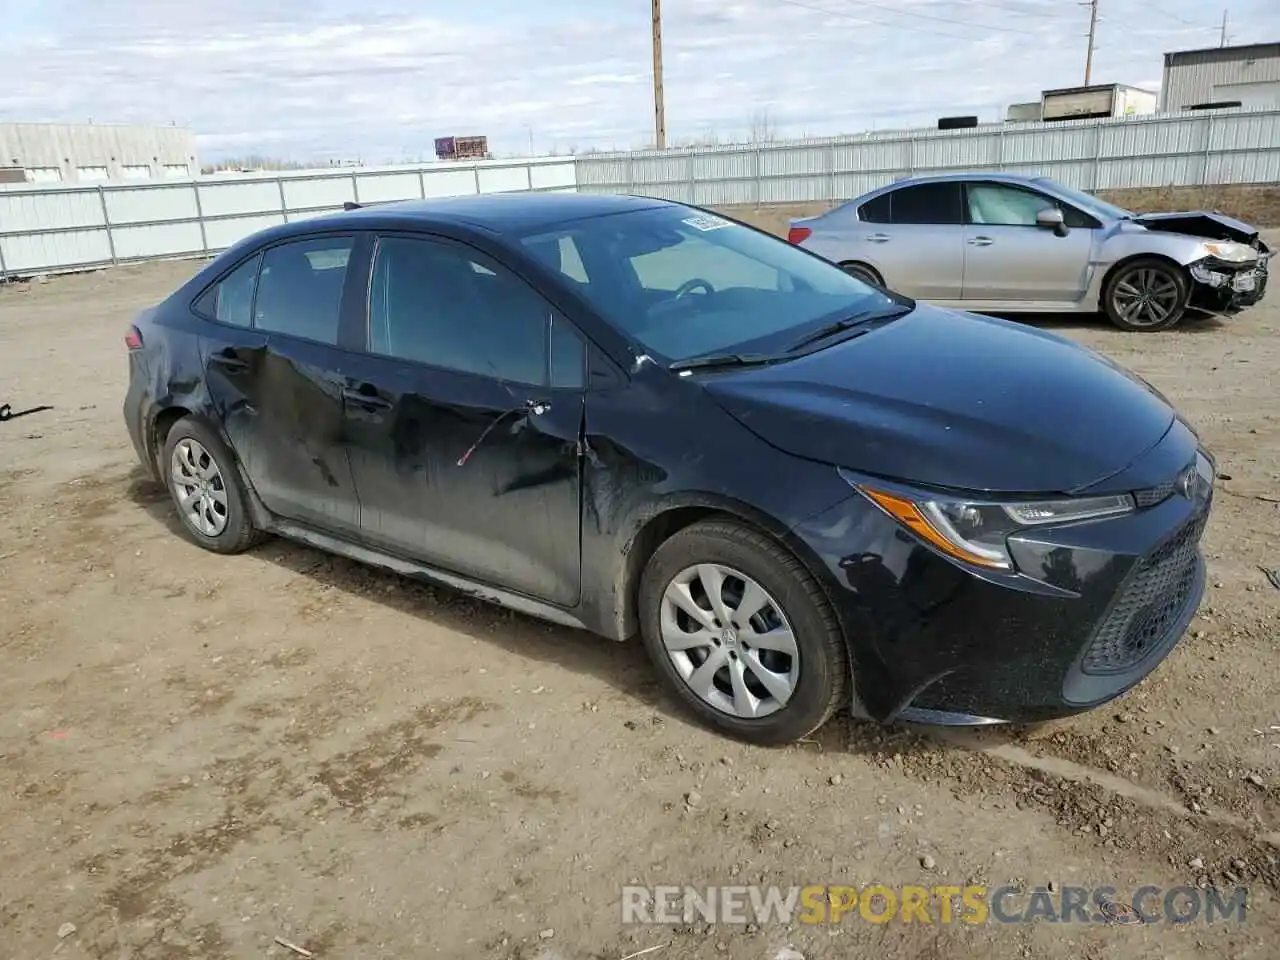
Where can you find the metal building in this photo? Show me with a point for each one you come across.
(1246, 76)
(76, 153)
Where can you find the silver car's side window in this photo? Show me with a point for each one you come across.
(877, 209)
(926, 203)
(999, 205)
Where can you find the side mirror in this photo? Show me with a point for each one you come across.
(1051, 218)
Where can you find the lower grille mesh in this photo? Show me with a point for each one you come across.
(1156, 594)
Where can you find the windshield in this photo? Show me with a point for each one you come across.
(684, 283)
(1088, 201)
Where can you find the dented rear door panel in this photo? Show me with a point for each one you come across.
(279, 401)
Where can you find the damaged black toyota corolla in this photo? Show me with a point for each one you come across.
(637, 417)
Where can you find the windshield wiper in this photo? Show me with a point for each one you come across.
(713, 360)
(848, 323)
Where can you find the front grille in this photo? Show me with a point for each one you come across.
(1153, 495)
(1155, 595)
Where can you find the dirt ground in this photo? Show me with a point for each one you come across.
(203, 753)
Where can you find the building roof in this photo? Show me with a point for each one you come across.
(1248, 51)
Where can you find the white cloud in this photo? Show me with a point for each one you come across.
(316, 79)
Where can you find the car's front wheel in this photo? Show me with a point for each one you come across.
(201, 475)
(1146, 295)
(742, 633)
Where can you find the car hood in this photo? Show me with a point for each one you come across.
(951, 399)
(1199, 223)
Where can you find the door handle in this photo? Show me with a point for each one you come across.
(878, 238)
(980, 242)
(366, 394)
(227, 359)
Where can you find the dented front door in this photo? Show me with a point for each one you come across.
(469, 474)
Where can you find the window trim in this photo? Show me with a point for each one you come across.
(1023, 188)
(261, 253)
(552, 313)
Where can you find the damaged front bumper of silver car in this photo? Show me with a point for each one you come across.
(1222, 286)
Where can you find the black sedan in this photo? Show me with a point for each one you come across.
(802, 491)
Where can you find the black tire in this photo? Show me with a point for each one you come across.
(1166, 284)
(863, 272)
(823, 680)
(237, 532)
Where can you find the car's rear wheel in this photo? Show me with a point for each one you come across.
(863, 272)
(1146, 295)
(201, 475)
(742, 633)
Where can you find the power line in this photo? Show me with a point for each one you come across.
(881, 23)
(1021, 11)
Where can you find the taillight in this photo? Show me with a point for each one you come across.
(133, 339)
(798, 234)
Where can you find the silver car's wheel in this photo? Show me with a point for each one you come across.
(729, 640)
(1146, 295)
(860, 271)
(198, 488)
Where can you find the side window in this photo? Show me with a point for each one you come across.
(1000, 205)
(1078, 219)
(720, 266)
(230, 300)
(568, 356)
(443, 304)
(300, 288)
(935, 203)
(876, 210)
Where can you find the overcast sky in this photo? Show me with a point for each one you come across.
(379, 79)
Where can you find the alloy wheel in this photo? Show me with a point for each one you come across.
(729, 640)
(199, 488)
(1146, 297)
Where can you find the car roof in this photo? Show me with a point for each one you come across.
(497, 213)
(966, 175)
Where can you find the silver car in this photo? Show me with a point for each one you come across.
(1000, 243)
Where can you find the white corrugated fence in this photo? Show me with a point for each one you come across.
(1186, 149)
(49, 228)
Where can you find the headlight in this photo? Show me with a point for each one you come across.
(1231, 252)
(976, 531)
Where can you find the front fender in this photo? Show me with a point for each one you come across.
(1126, 243)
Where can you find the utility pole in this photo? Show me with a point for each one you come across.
(1093, 29)
(1222, 41)
(659, 109)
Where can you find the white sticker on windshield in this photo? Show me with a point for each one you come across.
(705, 222)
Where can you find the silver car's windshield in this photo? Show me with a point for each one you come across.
(1088, 201)
(687, 284)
